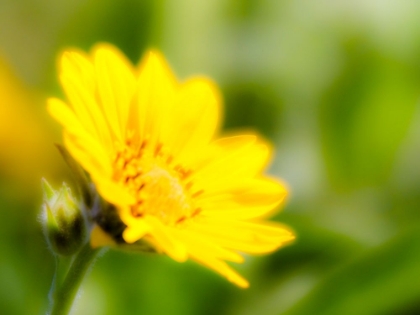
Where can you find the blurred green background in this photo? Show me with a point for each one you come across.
(334, 84)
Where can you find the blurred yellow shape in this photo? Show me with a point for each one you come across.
(25, 144)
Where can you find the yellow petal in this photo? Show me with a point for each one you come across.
(77, 66)
(221, 267)
(89, 154)
(248, 237)
(155, 95)
(199, 244)
(66, 117)
(135, 231)
(99, 238)
(116, 84)
(77, 70)
(78, 80)
(162, 235)
(81, 145)
(247, 200)
(233, 159)
(112, 192)
(194, 118)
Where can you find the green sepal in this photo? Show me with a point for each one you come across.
(64, 224)
(82, 179)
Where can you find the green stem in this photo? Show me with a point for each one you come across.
(63, 294)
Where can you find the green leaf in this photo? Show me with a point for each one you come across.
(252, 105)
(366, 114)
(383, 281)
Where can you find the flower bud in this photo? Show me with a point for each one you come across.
(63, 221)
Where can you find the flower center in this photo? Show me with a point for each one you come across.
(161, 189)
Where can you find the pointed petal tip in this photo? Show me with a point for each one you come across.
(107, 52)
(235, 278)
(243, 284)
(68, 59)
(102, 47)
(48, 191)
(207, 87)
(155, 59)
(154, 54)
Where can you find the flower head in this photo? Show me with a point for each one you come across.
(148, 143)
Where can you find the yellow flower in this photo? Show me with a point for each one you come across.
(148, 143)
